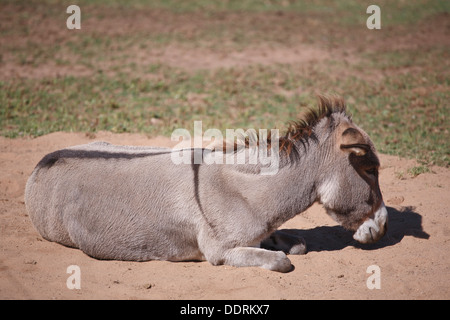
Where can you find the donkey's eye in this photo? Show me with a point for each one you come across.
(372, 171)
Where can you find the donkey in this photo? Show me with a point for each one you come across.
(134, 203)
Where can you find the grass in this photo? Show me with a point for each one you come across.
(417, 170)
(400, 97)
(127, 105)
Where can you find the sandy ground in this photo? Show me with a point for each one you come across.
(413, 256)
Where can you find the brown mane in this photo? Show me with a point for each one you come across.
(301, 129)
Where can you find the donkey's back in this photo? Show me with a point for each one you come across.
(115, 202)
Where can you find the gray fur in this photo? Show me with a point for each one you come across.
(134, 203)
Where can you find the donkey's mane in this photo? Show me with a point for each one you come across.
(302, 128)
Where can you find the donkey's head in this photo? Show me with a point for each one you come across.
(348, 186)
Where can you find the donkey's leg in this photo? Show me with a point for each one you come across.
(256, 257)
(286, 242)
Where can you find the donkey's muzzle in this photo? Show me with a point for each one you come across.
(374, 228)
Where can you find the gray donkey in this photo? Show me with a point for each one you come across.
(135, 203)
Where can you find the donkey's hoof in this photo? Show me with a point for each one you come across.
(284, 241)
(282, 263)
(299, 248)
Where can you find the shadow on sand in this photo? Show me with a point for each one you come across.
(402, 222)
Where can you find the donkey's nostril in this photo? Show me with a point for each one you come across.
(371, 234)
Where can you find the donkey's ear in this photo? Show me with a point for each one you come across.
(354, 142)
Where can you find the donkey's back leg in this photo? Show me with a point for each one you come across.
(257, 257)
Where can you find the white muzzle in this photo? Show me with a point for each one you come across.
(373, 228)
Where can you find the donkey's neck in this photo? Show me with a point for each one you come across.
(294, 190)
(279, 197)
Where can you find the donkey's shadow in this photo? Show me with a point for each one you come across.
(402, 222)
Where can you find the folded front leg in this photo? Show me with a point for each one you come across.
(256, 257)
(286, 242)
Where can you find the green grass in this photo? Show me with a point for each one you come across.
(401, 120)
(400, 97)
(127, 105)
(417, 170)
